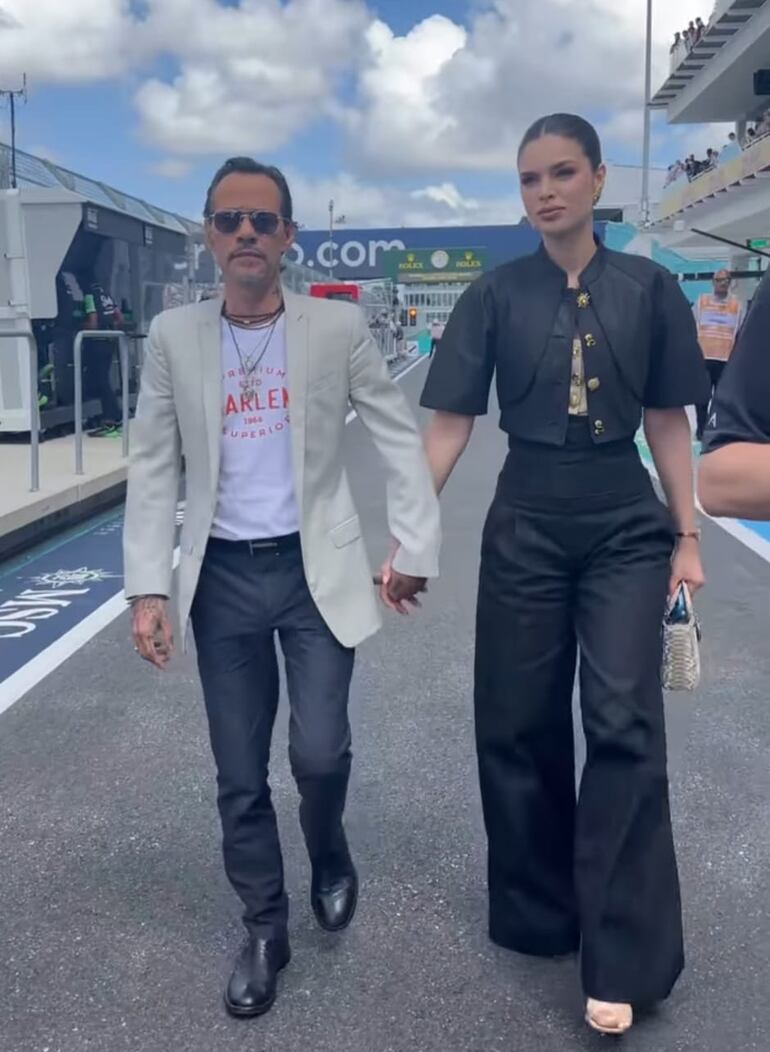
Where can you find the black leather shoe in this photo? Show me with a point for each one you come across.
(334, 898)
(252, 987)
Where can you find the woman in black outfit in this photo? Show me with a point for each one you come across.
(577, 552)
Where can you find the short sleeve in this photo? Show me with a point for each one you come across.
(740, 411)
(677, 375)
(461, 371)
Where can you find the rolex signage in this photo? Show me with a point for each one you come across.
(434, 265)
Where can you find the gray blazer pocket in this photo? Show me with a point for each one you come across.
(347, 532)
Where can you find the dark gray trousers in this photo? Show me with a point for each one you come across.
(244, 597)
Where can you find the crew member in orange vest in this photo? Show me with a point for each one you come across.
(718, 316)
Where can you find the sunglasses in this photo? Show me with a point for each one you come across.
(228, 220)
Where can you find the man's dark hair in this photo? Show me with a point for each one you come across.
(249, 166)
(568, 126)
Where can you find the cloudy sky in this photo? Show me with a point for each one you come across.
(406, 112)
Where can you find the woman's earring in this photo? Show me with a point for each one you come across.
(597, 196)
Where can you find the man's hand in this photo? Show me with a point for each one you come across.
(151, 627)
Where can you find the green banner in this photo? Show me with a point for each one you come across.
(434, 265)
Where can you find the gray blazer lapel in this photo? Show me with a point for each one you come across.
(210, 372)
(297, 350)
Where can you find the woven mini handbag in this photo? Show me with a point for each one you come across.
(681, 643)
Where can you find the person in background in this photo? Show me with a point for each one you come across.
(436, 332)
(101, 313)
(730, 149)
(734, 470)
(718, 317)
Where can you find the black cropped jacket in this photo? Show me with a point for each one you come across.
(639, 344)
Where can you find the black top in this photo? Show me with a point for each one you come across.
(740, 411)
(640, 347)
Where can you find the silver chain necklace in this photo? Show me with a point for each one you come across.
(249, 382)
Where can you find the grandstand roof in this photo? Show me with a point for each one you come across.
(35, 171)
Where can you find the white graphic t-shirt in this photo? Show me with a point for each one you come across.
(255, 497)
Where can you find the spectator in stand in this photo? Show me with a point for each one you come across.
(730, 149)
(751, 138)
(712, 159)
(674, 171)
(690, 36)
(700, 29)
(677, 42)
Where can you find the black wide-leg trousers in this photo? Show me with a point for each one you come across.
(243, 601)
(597, 873)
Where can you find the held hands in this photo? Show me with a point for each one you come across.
(686, 566)
(398, 591)
(151, 627)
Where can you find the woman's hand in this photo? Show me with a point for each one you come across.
(686, 566)
(398, 591)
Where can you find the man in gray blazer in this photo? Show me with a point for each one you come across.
(253, 390)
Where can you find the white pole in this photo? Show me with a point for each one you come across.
(645, 209)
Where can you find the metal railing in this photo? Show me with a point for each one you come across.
(34, 408)
(98, 334)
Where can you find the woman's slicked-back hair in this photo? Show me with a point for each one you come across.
(568, 126)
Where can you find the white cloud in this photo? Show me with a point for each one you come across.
(368, 204)
(251, 77)
(439, 99)
(445, 98)
(71, 41)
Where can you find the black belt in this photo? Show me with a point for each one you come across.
(290, 542)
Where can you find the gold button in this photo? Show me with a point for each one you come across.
(593, 384)
(599, 427)
(583, 299)
(590, 340)
(576, 351)
(574, 399)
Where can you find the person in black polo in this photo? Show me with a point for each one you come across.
(734, 473)
(101, 313)
(577, 553)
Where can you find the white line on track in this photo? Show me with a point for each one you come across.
(48, 660)
(40, 666)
